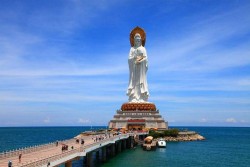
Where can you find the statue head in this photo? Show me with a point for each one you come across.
(141, 32)
(137, 40)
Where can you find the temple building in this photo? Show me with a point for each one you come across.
(138, 116)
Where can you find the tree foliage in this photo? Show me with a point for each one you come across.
(167, 133)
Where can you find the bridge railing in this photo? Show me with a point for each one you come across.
(30, 149)
(52, 158)
(57, 156)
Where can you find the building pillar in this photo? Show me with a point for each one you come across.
(89, 159)
(68, 164)
(104, 154)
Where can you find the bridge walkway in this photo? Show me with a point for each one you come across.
(52, 153)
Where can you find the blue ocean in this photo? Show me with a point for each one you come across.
(224, 146)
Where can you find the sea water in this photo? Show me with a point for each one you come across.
(224, 146)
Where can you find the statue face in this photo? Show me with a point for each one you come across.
(137, 41)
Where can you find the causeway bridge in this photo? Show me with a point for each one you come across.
(52, 155)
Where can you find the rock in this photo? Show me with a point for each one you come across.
(186, 137)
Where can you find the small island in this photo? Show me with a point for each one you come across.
(175, 135)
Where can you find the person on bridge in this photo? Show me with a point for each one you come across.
(9, 164)
(82, 142)
(20, 157)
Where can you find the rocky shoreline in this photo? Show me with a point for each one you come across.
(185, 136)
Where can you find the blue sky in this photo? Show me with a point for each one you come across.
(65, 62)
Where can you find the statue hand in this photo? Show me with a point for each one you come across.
(139, 58)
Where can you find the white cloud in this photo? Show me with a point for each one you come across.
(53, 71)
(231, 120)
(197, 83)
(56, 97)
(65, 71)
(30, 53)
(244, 82)
(202, 48)
(244, 121)
(46, 120)
(202, 99)
(83, 121)
(203, 120)
(171, 121)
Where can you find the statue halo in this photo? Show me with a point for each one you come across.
(141, 32)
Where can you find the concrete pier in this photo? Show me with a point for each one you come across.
(112, 150)
(97, 154)
(123, 144)
(52, 154)
(89, 159)
(104, 154)
(119, 146)
(68, 164)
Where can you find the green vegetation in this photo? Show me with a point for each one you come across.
(166, 133)
(100, 130)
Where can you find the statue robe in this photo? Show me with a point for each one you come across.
(138, 86)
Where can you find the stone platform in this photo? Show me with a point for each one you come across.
(138, 116)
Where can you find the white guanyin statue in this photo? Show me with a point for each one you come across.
(138, 66)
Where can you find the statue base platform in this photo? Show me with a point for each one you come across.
(138, 116)
(138, 106)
